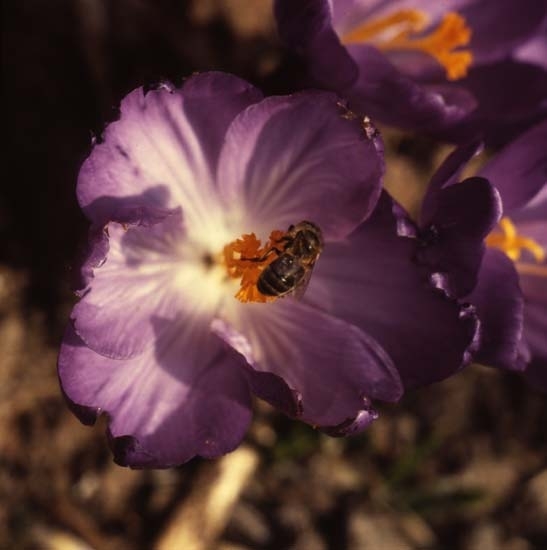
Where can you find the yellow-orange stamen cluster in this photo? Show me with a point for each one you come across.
(512, 244)
(240, 259)
(398, 29)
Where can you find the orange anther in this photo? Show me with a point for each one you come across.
(509, 241)
(246, 259)
(398, 31)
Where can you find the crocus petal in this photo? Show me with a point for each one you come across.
(499, 27)
(519, 171)
(269, 386)
(533, 281)
(211, 102)
(334, 367)
(301, 157)
(447, 174)
(353, 425)
(175, 401)
(372, 281)
(305, 26)
(534, 51)
(452, 237)
(499, 302)
(160, 150)
(534, 215)
(511, 98)
(144, 274)
(386, 94)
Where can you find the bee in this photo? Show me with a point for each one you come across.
(290, 272)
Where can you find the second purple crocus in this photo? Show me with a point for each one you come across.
(451, 69)
(517, 256)
(501, 268)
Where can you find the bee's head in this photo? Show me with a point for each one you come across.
(311, 239)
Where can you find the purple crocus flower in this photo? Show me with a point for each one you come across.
(517, 257)
(171, 337)
(503, 277)
(452, 69)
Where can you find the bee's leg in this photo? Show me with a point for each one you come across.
(287, 240)
(263, 257)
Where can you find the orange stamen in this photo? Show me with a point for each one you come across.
(531, 269)
(394, 32)
(240, 258)
(509, 241)
(398, 23)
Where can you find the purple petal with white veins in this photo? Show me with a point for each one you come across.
(136, 279)
(269, 386)
(96, 251)
(519, 171)
(211, 102)
(301, 157)
(160, 148)
(372, 281)
(180, 398)
(334, 367)
(499, 302)
(497, 28)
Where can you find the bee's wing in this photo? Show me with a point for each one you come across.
(301, 287)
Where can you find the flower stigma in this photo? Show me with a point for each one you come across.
(397, 31)
(245, 259)
(512, 244)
